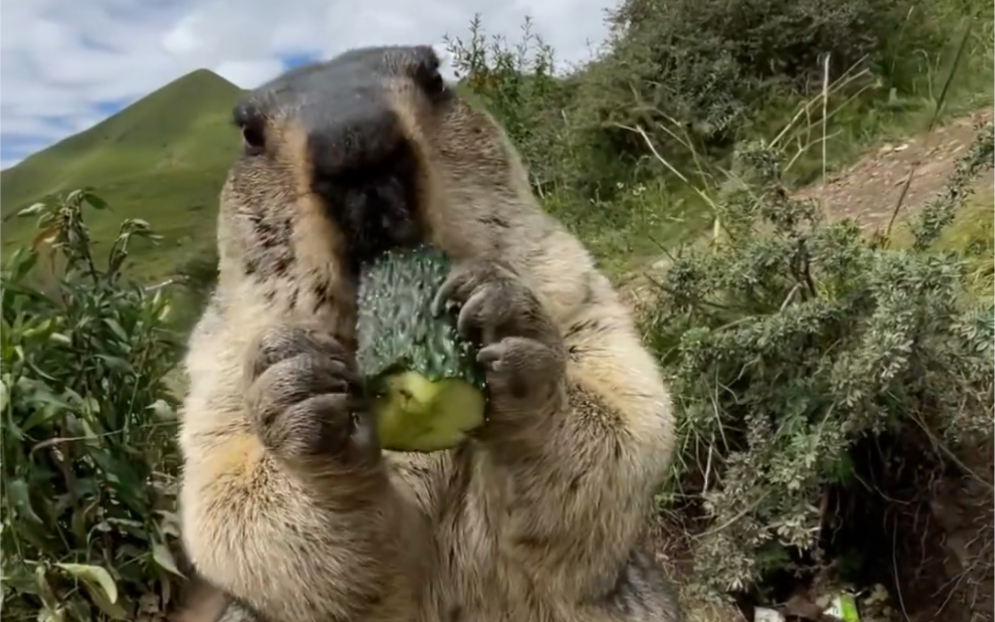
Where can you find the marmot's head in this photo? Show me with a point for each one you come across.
(344, 159)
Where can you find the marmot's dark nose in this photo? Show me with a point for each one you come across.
(363, 165)
(350, 131)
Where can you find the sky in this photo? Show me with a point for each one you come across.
(65, 65)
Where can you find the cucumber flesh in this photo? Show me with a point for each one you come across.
(414, 413)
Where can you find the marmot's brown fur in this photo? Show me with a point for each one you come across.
(288, 503)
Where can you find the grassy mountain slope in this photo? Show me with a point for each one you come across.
(162, 159)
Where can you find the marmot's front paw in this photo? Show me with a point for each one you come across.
(305, 399)
(521, 350)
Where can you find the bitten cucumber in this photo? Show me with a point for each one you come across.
(427, 390)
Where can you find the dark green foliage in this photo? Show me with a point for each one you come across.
(699, 76)
(88, 461)
(694, 73)
(708, 62)
(793, 340)
(516, 85)
(397, 330)
(939, 213)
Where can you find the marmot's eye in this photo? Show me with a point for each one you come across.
(430, 80)
(435, 84)
(253, 138)
(426, 74)
(252, 124)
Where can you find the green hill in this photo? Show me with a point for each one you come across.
(162, 159)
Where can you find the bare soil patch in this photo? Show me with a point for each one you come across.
(869, 190)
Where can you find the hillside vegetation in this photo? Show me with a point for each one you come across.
(833, 385)
(161, 159)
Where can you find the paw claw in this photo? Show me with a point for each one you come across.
(473, 314)
(303, 394)
(519, 369)
(449, 294)
(491, 356)
(439, 304)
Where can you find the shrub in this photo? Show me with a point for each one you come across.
(693, 73)
(973, 233)
(516, 85)
(802, 355)
(88, 463)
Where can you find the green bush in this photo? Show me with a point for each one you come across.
(698, 76)
(791, 342)
(708, 65)
(516, 85)
(88, 459)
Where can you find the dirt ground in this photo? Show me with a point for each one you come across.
(867, 191)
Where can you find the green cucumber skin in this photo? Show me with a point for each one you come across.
(395, 327)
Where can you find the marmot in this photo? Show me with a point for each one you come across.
(288, 503)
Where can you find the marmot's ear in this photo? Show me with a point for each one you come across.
(445, 61)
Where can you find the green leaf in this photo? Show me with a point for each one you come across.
(118, 331)
(22, 263)
(31, 210)
(46, 614)
(90, 406)
(41, 415)
(79, 520)
(116, 363)
(88, 432)
(95, 201)
(164, 558)
(21, 497)
(17, 577)
(74, 196)
(97, 575)
(100, 585)
(43, 589)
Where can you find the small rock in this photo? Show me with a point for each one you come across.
(763, 614)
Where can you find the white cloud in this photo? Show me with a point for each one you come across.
(64, 64)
